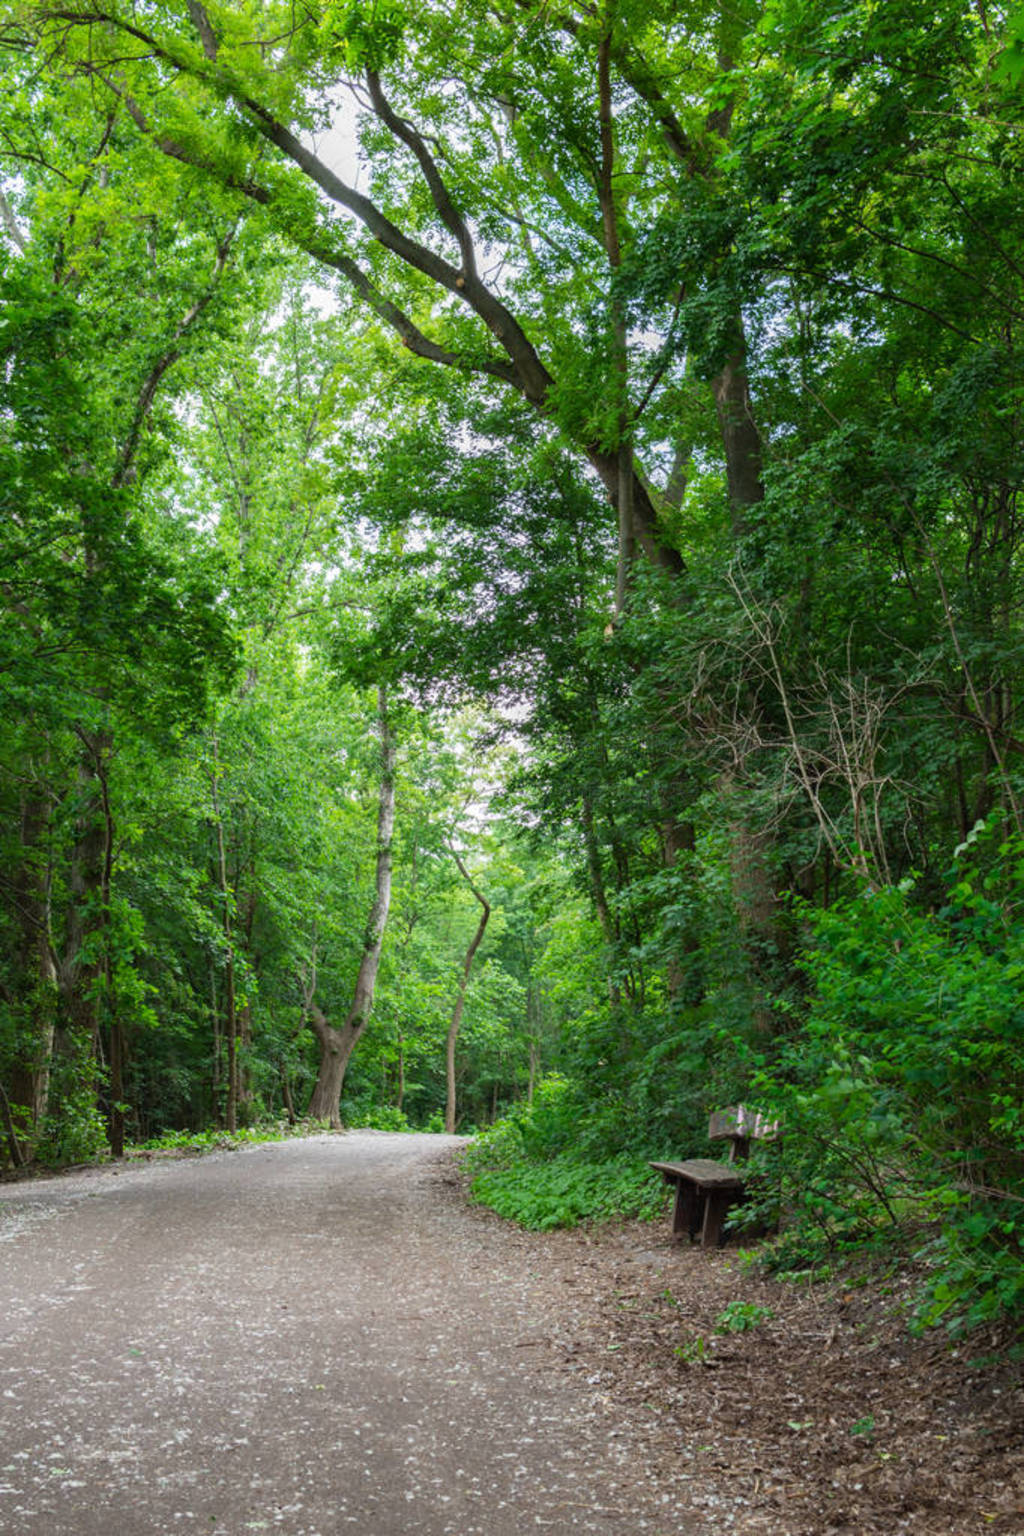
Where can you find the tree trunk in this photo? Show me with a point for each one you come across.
(216, 1062)
(116, 1087)
(14, 1147)
(286, 1094)
(36, 979)
(88, 892)
(741, 440)
(83, 970)
(450, 1109)
(230, 1012)
(337, 1045)
(678, 842)
(247, 911)
(231, 1042)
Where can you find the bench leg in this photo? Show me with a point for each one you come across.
(716, 1205)
(686, 1214)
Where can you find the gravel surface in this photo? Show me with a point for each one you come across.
(301, 1337)
(312, 1336)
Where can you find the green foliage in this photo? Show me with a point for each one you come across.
(216, 1140)
(1010, 64)
(74, 1130)
(377, 1117)
(532, 1168)
(720, 866)
(368, 34)
(741, 1317)
(694, 1351)
(566, 1191)
(900, 1095)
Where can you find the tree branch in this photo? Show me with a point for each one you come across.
(442, 198)
(201, 21)
(147, 394)
(534, 380)
(409, 333)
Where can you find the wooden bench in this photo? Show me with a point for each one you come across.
(705, 1189)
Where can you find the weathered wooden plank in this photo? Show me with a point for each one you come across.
(702, 1171)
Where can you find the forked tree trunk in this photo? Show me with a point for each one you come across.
(450, 1108)
(337, 1044)
(336, 1047)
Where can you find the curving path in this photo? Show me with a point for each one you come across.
(306, 1337)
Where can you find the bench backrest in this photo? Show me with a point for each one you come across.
(740, 1126)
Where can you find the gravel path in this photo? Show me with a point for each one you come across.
(304, 1337)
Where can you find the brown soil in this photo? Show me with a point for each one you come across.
(826, 1418)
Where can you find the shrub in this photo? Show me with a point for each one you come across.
(902, 1092)
(373, 1117)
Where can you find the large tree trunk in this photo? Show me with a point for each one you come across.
(450, 1108)
(337, 1045)
(741, 438)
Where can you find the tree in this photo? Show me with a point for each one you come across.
(338, 1042)
(577, 178)
(451, 1105)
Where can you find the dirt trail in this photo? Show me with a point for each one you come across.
(305, 1338)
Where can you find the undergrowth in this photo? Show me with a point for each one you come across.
(215, 1140)
(565, 1191)
(542, 1167)
(355, 1116)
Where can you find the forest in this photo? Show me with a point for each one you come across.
(510, 597)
